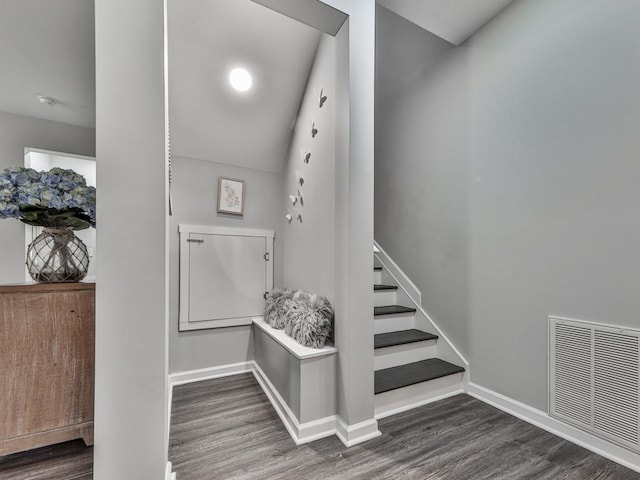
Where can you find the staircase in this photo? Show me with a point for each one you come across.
(408, 372)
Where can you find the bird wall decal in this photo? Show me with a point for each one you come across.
(323, 98)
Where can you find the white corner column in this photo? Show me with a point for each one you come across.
(131, 353)
(354, 221)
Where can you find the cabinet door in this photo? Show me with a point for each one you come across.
(227, 276)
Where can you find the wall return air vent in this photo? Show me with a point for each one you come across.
(594, 379)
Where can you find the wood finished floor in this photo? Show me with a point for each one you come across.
(225, 429)
(64, 461)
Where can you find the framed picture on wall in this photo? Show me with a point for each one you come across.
(230, 196)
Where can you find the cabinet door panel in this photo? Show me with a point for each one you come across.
(227, 277)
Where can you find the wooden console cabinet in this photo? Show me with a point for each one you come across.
(46, 364)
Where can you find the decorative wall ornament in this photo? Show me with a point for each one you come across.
(293, 199)
(314, 130)
(299, 178)
(307, 157)
(323, 98)
(299, 217)
(288, 216)
(230, 196)
(300, 199)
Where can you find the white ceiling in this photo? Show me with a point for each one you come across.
(452, 20)
(210, 121)
(47, 48)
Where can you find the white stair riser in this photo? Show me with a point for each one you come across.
(393, 323)
(377, 277)
(403, 399)
(402, 354)
(384, 297)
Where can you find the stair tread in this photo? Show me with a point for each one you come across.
(377, 268)
(392, 309)
(413, 373)
(401, 337)
(379, 287)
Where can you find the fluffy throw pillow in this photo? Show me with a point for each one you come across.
(305, 317)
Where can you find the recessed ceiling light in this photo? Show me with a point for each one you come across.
(240, 79)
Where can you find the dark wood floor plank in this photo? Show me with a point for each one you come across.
(226, 429)
(64, 461)
(412, 373)
(401, 337)
(379, 287)
(459, 438)
(392, 310)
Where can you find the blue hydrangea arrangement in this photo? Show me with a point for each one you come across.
(58, 198)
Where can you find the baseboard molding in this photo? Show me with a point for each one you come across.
(169, 475)
(351, 435)
(190, 376)
(301, 433)
(542, 420)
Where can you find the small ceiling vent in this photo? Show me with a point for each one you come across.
(594, 373)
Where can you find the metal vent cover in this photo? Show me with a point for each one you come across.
(594, 379)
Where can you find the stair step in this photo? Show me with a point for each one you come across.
(392, 310)
(379, 287)
(401, 337)
(377, 268)
(413, 373)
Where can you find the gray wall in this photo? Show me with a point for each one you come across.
(526, 137)
(194, 194)
(131, 317)
(16, 133)
(309, 246)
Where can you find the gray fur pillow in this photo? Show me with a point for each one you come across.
(307, 318)
(277, 303)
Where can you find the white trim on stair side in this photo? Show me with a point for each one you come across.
(409, 288)
(398, 275)
(542, 420)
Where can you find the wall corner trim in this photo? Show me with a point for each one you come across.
(542, 420)
(351, 435)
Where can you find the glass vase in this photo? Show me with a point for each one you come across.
(56, 256)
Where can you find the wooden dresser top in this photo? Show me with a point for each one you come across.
(46, 287)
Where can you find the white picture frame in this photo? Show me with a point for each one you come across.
(231, 196)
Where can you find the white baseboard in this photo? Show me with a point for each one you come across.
(300, 432)
(351, 435)
(189, 376)
(169, 475)
(542, 420)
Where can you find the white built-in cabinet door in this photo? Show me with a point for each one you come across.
(225, 274)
